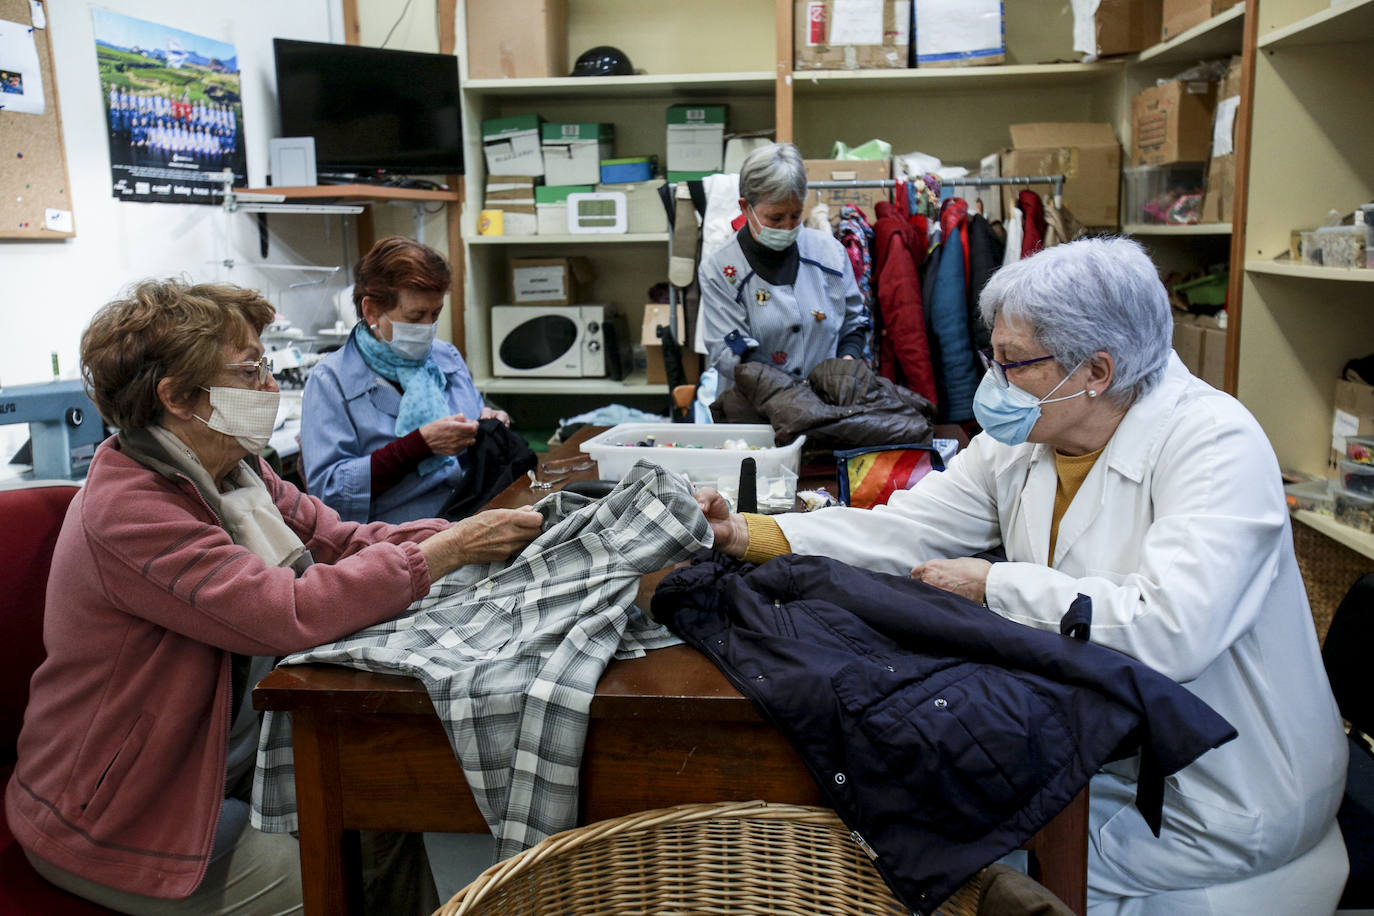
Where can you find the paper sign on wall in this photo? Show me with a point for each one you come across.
(58, 220)
(1224, 127)
(21, 79)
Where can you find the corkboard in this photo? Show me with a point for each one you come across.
(33, 159)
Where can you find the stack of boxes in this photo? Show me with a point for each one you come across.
(1171, 139)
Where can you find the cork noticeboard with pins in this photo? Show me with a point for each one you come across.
(35, 196)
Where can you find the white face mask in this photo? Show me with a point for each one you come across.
(776, 239)
(247, 414)
(412, 341)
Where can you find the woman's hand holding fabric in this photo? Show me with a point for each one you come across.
(482, 538)
(449, 435)
(491, 413)
(966, 576)
(730, 530)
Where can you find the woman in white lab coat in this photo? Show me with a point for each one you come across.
(1106, 469)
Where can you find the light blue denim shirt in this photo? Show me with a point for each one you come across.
(348, 412)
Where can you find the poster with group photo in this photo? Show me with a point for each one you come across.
(173, 109)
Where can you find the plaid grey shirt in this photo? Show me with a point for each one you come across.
(511, 653)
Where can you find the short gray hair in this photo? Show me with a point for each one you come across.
(1090, 295)
(773, 174)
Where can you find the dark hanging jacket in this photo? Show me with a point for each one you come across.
(985, 252)
(943, 734)
(957, 370)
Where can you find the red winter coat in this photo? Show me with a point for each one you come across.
(905, 351)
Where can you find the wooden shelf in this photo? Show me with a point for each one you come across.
(1310, 271)
(1357, 540)
(1196, 229)
(1219, 36)
(754, 82)
(636, 238)
(353, 192)
(1350, 21)
(809, 82)
(636, 384)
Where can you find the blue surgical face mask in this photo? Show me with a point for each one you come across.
(412, 340)
(776, 239)
(1008, 414)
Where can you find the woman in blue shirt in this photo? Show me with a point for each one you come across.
(386, 419)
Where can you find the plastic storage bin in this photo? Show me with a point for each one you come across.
(1341, 246)
(1311, 495)
(620, 171)
(698, 451)
(1163, 194)
(1360, 449)
(1357, 477)
(1354, 509)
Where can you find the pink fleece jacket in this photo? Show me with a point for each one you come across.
(122, 755)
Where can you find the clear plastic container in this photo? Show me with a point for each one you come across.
(1163, 194)
(1341, 246)
(1354, 509)
(1360, 449)
(697, 450)
(1311, 495)
(1357, 477)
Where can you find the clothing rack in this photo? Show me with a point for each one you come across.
(1057, 181)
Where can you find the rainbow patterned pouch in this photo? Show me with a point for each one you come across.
(868, 476)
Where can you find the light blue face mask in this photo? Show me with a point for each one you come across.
(776, 239)
(1008, 414)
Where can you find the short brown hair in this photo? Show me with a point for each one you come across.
(397, 263)
(164, 329)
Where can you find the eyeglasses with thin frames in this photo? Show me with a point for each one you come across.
(999, 370)
(260, 367)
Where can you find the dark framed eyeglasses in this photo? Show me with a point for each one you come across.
(999, 370)
(256, 371)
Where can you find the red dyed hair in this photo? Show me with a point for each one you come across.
(397, 263)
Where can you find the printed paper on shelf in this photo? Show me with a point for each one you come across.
(977, 26)
(1224, 127)
(1085, 26)
(1342, 425)
(815, 18)
(857, 22)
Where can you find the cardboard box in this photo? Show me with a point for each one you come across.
(573, 152)
(868, 36)
(517, 38)
(1125, 26)
(643, 205)
(1188, 343)
(847, 170)
(655, 315)
(957, 33)
(551, 206)
(511, 145)
(1172, 122)
(549, 281)
(1219, 201)
(1213, 357)
(1086, 153)
(1181, 15)
(514, 197)
(696, 138)
(1353, 416)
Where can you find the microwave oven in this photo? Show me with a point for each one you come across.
(551, 341)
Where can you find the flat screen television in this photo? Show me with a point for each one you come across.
(371, 110)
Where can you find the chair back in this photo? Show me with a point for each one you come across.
(30, 518)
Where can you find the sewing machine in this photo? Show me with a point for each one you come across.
(61, 418)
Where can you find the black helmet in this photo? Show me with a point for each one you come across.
(603, 60)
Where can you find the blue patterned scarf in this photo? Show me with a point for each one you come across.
(422, 389)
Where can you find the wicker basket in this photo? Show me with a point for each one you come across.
(728, 858)
(1328, 570)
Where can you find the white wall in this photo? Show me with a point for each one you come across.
(49, 290)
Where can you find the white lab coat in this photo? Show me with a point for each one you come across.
(1181, 537)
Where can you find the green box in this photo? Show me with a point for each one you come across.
(690, 176)
(557, 193)
(559, 131)
(503, 127)
(697, 114)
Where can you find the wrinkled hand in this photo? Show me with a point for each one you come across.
(489, 413)
(729, 528)
(449, 435)
(966, 576)
(482, 538)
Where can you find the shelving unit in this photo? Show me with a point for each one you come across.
(959, 114)
(1357, 540)
(1299, 324)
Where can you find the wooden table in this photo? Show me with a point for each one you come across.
(665, 729)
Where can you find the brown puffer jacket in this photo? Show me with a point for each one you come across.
(842, 404)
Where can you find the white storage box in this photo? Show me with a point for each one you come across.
(698, 452)
(644, 208)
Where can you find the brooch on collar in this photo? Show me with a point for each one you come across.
(729, 272)
(761, 296)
